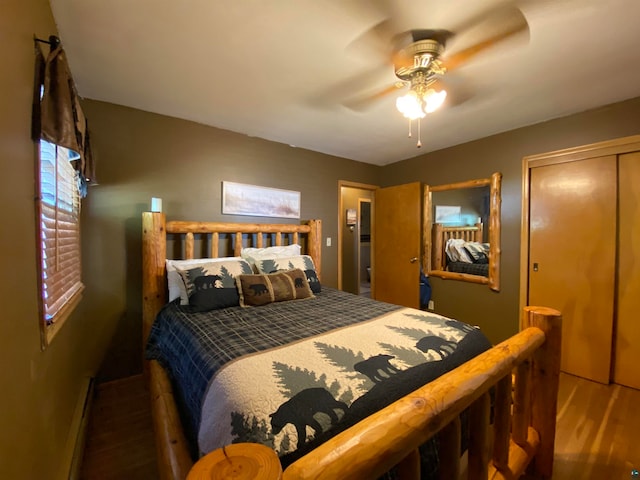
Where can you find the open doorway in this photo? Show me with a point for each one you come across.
(364, 246)
(355, 237)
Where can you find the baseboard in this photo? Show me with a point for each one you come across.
(74, 449)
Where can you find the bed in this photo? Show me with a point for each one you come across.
(501, 402)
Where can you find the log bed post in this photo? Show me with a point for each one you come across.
(314, 247)
(174, 459)
(154, 253)
(545, 380)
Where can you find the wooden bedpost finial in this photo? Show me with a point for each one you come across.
(240, 461)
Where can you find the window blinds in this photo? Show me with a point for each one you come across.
(59, 230)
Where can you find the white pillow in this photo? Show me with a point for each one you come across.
(254, 255)
(456, 252)
(175, 281)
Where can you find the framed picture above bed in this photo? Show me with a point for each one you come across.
(256, 201)
(448, 214)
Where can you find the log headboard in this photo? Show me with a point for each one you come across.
(223, 239)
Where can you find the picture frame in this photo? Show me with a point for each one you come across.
(258, 201)
(448, 214)
(352, 217)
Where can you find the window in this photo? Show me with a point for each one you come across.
(58, 212)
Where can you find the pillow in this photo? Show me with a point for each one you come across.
(174, 280)
(477, 252)
(303, 262)
(263, 288)
(253, 255)
(213, 285)
(456, 252)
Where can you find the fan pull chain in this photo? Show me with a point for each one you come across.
(419, 144)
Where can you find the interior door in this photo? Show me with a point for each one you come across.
(572, 249)
(396, 246)
(627, 336)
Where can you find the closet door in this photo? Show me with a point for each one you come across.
(572, 249)
(627, 338)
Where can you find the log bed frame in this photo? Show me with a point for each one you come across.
(523, 371)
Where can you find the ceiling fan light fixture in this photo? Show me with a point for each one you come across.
(410, 105)
(434, 100)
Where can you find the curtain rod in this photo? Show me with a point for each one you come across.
(53, 41)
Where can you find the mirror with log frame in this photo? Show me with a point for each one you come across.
(462, 231)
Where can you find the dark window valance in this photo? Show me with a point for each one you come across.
(57, 114)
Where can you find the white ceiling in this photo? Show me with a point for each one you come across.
(283, 69)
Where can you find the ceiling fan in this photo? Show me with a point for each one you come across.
(422, 58)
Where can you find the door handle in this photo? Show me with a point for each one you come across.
(414, 260)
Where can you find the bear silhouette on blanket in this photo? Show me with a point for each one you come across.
(300, 409)
(373, 367)
(393, 388)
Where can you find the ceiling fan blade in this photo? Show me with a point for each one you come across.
(381, 39)
(500, 26)
(363, 102)
(374, 42)
(356, 86)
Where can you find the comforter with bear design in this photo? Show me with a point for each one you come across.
(292, 374)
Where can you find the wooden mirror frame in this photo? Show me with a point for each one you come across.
(493, 278)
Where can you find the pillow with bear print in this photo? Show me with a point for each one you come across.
(213, 285)
(303, 262)
(174, 280)
(262, 288)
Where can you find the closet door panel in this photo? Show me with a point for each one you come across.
(627, 337)
(572, 253)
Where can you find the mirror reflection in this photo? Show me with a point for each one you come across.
(464, 221)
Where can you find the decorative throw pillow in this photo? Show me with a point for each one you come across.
(262, 288)
(213, 285)
(477, 252)
(303, 262)
(456, 252)
(175, 283)
(254, 255)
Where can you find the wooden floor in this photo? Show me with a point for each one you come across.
(597, 434)
(120, 443)
(598, 428)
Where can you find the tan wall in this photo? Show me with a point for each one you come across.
(39, 388)
(497, 313)
(143, 155)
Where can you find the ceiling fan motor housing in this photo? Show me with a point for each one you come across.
(419, 56)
